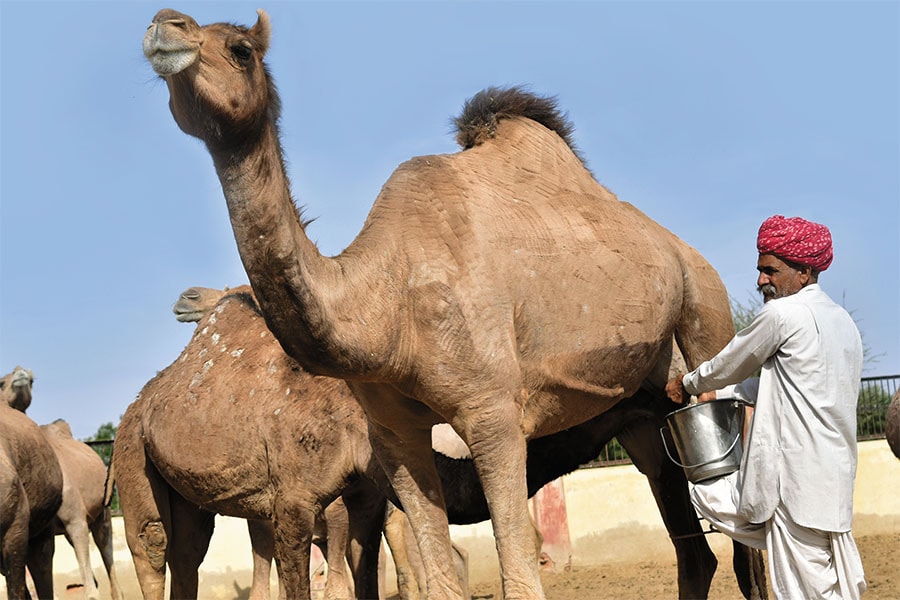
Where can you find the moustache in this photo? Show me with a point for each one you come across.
(768, 290)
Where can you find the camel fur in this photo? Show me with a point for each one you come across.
(500, 289)
(31, 492)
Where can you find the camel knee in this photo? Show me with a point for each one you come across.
(154, 542)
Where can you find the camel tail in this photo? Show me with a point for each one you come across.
(110, 483)
(481, 113)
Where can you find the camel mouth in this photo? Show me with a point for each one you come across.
(166, 62)
(168, 54)
(189, 316)
(21, 379)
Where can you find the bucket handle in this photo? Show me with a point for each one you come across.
(708, 462)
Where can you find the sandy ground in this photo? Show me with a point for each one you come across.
(622, 581)
(644, 580)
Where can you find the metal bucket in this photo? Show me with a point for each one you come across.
(707, 437)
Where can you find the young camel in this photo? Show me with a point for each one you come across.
(172, 482)
(83, 512)
(194, 304)
(501, 289)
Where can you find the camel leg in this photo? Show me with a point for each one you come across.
(40, 563)
(365, 510)
(404, 452)
(78, 534)
(497, 443)
(395, 524)
(337, 524)
(191, 530)
(294, 519)
(262, 543)
(13, 530)
(696, 562)
(101, 529)
(418, 489)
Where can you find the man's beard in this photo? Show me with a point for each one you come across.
(768, 292)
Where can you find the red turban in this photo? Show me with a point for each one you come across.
(796, 240)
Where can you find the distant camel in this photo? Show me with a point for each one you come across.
(83, 512)
(500, 289)
(31, 491)
(892, 424)
(15, 388)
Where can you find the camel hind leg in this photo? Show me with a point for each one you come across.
(696, 562)
(101, 531)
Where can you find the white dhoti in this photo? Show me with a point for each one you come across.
(804, 563)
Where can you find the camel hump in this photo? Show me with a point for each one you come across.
(480, 114)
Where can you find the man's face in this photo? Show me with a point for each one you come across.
(777, 278)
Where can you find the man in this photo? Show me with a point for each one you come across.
(793, 494)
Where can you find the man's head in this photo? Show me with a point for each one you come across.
(792, 252)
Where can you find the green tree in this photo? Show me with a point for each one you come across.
(106, 433)
(102, 443)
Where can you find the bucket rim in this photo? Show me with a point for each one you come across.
(716, 401)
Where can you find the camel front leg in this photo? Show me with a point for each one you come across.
(262, 544)
(294, 519)
(497, 443)
(365, 510)
(191, 530)
(404, 452)
(40, 563)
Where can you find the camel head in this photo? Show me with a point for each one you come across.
(195, 303)
(15, 388)
(219, 90)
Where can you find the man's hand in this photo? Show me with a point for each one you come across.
(675, 390)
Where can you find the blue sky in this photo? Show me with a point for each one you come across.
(708, 116)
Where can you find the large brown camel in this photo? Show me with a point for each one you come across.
(31, 491)
(261, 446)
(501, 289)
(548, 458)
(83, 513)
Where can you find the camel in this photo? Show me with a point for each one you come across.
(501, 289)
(892, 424)
(264, 450)
(548, 458)
(31, 492)
(83, 512)
(15, 388)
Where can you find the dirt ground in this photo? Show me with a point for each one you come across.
(643, 580)
(620, 581)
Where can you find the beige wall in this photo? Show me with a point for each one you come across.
(611, 514)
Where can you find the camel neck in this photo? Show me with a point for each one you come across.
(302, 293)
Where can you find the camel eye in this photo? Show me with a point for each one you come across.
(242, 52)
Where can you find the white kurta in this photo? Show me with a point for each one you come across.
(801, 449)
(793, 494)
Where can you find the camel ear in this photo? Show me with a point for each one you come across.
(262, 31)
